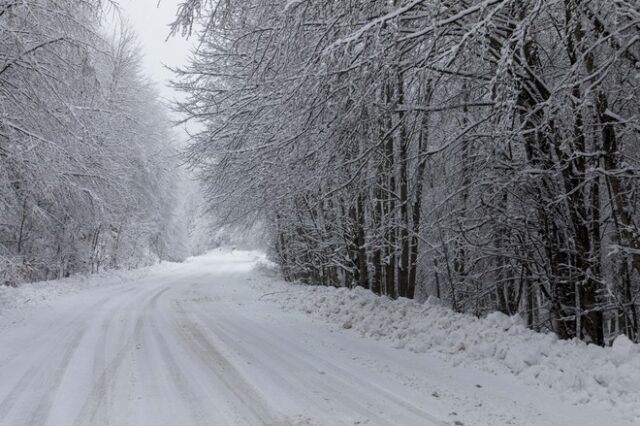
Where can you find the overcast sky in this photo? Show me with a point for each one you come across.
(150, 21)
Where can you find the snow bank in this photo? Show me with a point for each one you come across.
(579, 373)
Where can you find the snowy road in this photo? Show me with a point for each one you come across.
(195, 345)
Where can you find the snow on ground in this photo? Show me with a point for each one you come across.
(202, 343)
(577, 373)
(18, 303)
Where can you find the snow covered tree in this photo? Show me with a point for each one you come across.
(85, 157)
(480, 151)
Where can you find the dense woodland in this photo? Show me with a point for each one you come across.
(485, 152)
(87, 170)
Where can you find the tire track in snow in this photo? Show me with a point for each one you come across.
(17, 391)
(335, 380)
(38, 385)
(244, 395)
(52, 379)
(330, 386)
(35, 340)
(160, 328)
(96, 409)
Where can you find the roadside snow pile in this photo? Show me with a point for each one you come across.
(580, 373)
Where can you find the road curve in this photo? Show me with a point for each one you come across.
(194, 345)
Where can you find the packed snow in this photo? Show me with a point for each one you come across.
(17, 303)
(203, 343)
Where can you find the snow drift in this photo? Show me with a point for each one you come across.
(577, 372)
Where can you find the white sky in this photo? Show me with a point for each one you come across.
(150, 20)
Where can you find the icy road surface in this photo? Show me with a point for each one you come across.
(193, 344)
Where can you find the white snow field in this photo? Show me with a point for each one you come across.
(202, 343)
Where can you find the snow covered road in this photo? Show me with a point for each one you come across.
(194, 344)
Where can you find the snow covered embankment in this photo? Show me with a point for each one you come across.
(579, 373)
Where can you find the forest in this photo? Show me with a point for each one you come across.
(320, 212)
(484, 152)
(87, 170)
